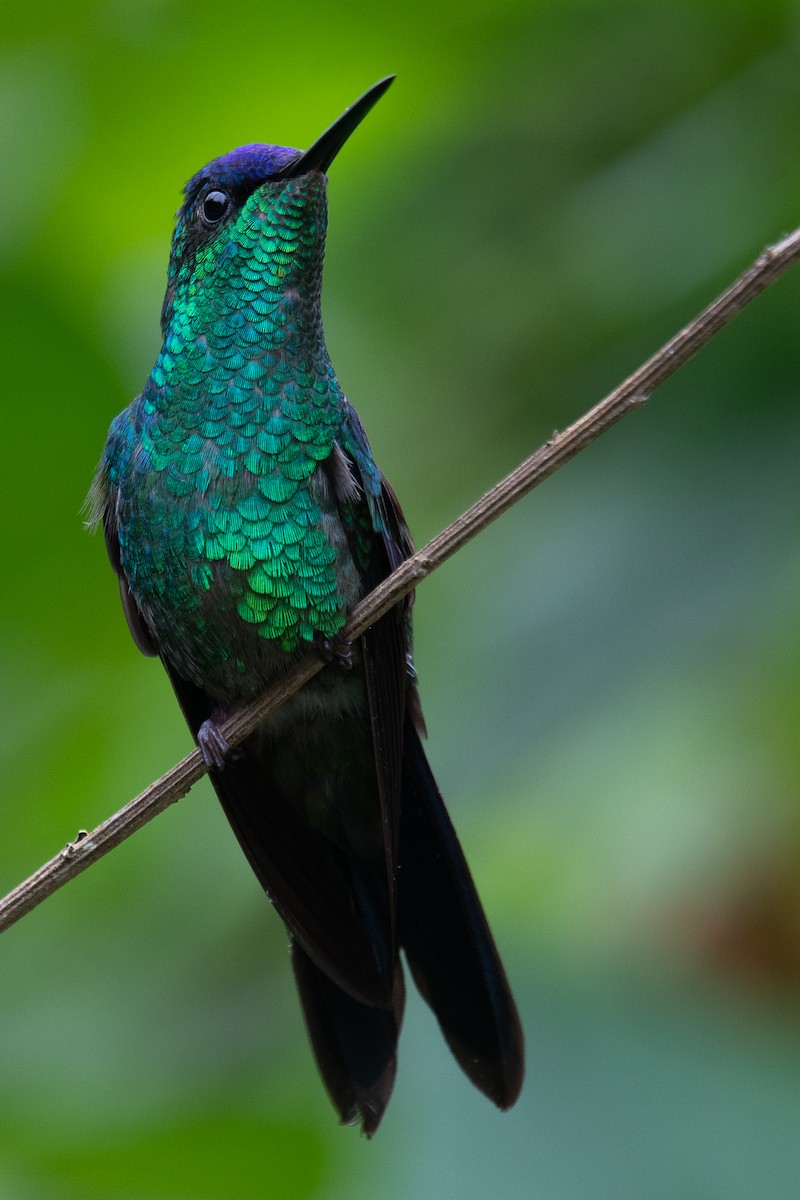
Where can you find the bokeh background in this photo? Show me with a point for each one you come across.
(611, 674)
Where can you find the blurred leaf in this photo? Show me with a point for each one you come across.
(219, 1156)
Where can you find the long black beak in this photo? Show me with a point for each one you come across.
(320, 156)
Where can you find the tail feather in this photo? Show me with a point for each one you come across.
(338, 914)
(321, 896)
(355, 1045)
(447, 941)
(309, 880)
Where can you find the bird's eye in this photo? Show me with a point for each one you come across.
(214, 207)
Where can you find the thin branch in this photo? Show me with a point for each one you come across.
(636, 389)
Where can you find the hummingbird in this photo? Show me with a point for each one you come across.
(244, 516)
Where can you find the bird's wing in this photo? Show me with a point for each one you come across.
(103, 503)
(380, 541)
(316, 889)
(309, 880)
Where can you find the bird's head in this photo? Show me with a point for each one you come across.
(257, 216)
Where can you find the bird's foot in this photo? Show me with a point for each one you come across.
(334, 649)
(212, 744)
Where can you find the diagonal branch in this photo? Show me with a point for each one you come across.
(630, 394)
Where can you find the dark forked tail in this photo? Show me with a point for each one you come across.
(349, 982)
(452, 956)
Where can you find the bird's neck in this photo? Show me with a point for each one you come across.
(257, 338)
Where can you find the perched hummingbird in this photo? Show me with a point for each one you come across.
(245, 516)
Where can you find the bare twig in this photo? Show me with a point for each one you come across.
(631, 394)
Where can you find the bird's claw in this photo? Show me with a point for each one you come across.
(212, 744)
(334, 649)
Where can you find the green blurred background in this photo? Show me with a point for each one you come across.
(611, 674)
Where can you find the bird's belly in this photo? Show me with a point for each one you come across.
(232, 607)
